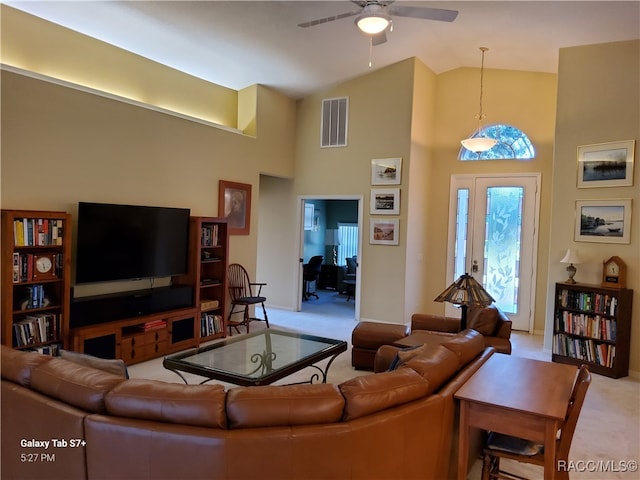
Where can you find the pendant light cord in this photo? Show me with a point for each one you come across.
(480, 114)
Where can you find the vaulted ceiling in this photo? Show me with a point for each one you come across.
(241, 43)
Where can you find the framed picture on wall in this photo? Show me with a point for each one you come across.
(385, 201)
(606, 164)
(603, 221)
(384, 231)
(234, 204)
(386, 171)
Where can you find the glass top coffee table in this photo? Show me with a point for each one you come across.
(258, 358)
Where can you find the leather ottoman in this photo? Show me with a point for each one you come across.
(367, 337)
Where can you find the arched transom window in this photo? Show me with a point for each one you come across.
(512, 144)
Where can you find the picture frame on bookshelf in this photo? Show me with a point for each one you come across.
(603, 221)
(234, 204)
(384, 231)
(606, 164)
(385, 201)
(386, 171)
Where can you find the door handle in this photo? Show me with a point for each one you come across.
(474, 267)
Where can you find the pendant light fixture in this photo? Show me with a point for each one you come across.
(480, 143)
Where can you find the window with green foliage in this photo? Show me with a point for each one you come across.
(512, 144)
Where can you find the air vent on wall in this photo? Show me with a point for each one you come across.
(333, 130)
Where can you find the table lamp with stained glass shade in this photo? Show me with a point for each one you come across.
(466, 292)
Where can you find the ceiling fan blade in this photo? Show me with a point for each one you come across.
(328, 19)
(426, 13)
(379, 39)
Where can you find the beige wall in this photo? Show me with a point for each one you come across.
(598, 102)
(380, 116)
(525, 100)
(61, 146)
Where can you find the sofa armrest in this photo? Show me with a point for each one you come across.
(384, 356)
(504, 330)
(434, 323)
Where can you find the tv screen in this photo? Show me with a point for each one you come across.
(124, 242)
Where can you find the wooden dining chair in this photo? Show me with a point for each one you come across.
(505, 446)
(244, 293)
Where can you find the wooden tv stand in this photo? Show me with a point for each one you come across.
(141, 338)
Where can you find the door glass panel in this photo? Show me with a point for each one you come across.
(503, 232)
(462, 223)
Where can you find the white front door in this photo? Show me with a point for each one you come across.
(493, 235)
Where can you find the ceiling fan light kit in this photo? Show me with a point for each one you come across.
(480, 143)
(373, 19)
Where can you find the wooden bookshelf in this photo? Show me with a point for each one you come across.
(208, 262)
(592, 325)
(36, 272)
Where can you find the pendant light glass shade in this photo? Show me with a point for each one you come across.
(479, 143)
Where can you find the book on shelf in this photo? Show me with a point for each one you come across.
(209, 304)
(35, 329)
(584, 349)
(152, 325)
(588, 301)
(594, 326)
(210, 324)
(31, 232)
(209, 235)
(23, 266)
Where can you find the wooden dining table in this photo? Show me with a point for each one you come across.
(516, 396)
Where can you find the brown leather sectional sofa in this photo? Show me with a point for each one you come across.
(398, 424)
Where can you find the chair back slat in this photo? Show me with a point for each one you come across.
(580, 387)
(238, 281)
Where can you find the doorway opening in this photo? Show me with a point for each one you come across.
(331, 228)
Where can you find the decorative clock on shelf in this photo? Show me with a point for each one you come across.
(44, 267)
(614, 273)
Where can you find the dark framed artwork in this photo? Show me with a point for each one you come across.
(234, 204)
(606, 164)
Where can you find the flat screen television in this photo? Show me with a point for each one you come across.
(125, 242)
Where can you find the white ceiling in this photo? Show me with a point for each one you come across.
(241, 43)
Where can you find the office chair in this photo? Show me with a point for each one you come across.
(310, 273)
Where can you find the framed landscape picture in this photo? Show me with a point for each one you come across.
(234, 204)
(606, 164)
(384, 231)
(603, 221)
(386, 171)
(385, 201)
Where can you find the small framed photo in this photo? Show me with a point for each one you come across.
(603, 221)
(384, 231)
(385, 201)
(606, 164)
(234, 204)
(386, 171)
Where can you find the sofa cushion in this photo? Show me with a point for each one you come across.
(17, 365)
(485, 320)
(285, 405)
(467, 345)
(115, 366)
(372, 393)
(77, 385)
(198, 405)
(436, 365)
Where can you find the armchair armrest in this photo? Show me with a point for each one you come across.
(504, 330)
(384, 356)
(434, 323)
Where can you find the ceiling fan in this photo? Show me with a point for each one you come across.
(374, 17)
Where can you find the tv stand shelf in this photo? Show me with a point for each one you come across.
(141, 338)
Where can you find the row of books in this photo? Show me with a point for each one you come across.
(23, 266)
(587, 350)
(210, 324)
(52, 349)
(32, 232)
(209, 236)
(34, 329)
(34, 296)
(589, 301)
(586, 325)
